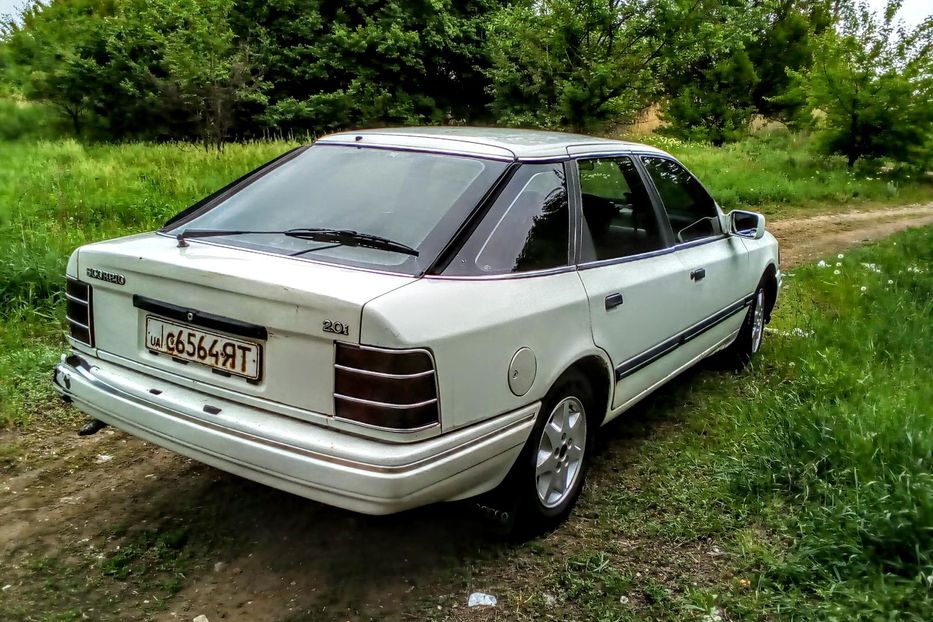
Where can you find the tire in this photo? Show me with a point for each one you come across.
(748, 342)
(548, 476)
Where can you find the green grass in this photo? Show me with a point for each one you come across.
(779, 174)
(812, 470)
(841, 431)
(799, 489)
(56, 196)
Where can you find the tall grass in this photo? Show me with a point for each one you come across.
(842, 435)
(780, 174)
(56, 196)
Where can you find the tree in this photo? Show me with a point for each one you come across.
(869, 93)
(215, 69)
(43, 54)
(716, 96)
(714, 103)
(331, 65)
(783, 42)
(193, 63)
(582, 63)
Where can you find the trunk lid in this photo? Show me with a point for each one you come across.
(212, 288)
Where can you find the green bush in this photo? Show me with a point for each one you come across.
(21, 120)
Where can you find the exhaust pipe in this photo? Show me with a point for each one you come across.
(92, 427)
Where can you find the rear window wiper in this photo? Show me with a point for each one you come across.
(347, 237)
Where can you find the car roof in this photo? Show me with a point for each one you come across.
(495, 142)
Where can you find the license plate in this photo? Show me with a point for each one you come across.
(225, 354)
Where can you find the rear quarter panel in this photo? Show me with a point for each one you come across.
(475, 326)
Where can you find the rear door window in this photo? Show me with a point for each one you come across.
(690, 208)
(618, 214)
(526, 229)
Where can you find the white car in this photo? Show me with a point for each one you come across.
(391, 318)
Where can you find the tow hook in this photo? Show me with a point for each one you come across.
(92, 427)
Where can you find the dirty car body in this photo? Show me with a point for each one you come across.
(388, 318)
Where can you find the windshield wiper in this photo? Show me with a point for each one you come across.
(346, 237)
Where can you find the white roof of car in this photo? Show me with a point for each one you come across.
(496, 142)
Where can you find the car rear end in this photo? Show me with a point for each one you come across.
(246, 355)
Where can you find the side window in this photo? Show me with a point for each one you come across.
(620, 220)
(527, 228)
(690, 208)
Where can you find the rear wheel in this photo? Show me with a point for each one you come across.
(546, 480)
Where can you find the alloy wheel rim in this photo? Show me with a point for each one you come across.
(758, 321)
(559, 459)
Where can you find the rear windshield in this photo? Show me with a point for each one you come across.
(415, 198)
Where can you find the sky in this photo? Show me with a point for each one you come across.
(912, 12)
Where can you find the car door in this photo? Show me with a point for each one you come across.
(630, 274)
(713, 283)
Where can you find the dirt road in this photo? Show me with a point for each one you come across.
(807, 239)
(111, 528)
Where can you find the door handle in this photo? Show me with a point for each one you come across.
(698, 275)
(613, 301)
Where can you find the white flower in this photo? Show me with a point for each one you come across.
(821, 264)
(836, 272)
(864, 289)
(890, 281)
(873, 267)
(838, 263)
(840, 256)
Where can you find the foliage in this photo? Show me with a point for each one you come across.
(331, 65)
(784, 42)
(717, 106)
(178, 58)
(580, 64)
(870, 89)
(43, 57)
(213, 69)
(715, 97)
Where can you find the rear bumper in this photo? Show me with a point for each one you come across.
(330, 466)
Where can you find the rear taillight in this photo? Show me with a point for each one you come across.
(78, 311)
(394, 389)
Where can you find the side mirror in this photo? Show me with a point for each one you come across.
(747, 224)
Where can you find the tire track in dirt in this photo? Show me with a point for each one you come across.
(280, 556)
(809, 238)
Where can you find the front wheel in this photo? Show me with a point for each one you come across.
(748, 342)
(546, 480)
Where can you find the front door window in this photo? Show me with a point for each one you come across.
(690, 208)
